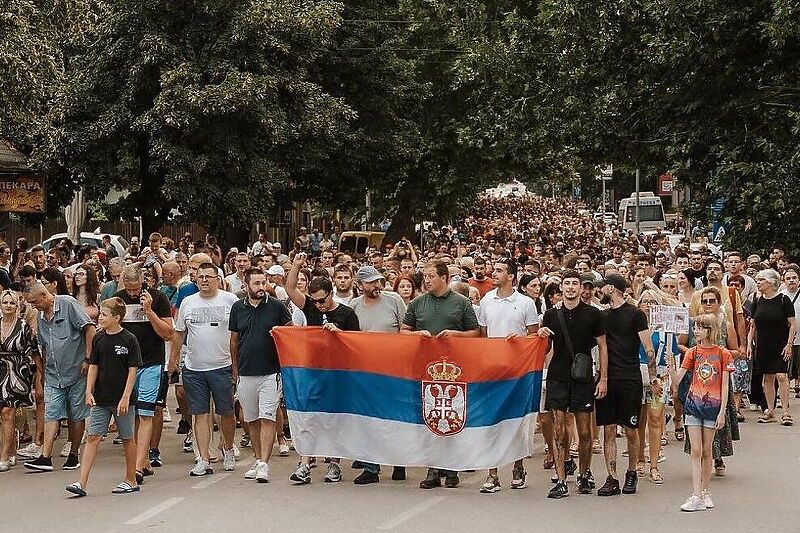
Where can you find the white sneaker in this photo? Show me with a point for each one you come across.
(167, 416)
(31, 451)
(694, 503)
(228, 460)
(65, 451)
(251, 472)
(4, 466)
(236, 452)
(262, 476)
(707, 500)
(283, 450)
(12, 461)
(754, 408)
(302, 475)
(201, 468)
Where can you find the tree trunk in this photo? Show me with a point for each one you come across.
(403, 221)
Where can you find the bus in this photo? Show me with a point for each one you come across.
(651, 213)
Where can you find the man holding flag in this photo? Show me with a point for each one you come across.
(440, 313)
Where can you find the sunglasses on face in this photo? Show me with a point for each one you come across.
(708, 302)
(319, 301)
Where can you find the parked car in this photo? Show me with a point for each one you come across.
(88, 237)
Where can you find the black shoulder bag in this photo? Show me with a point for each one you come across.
(581, 369)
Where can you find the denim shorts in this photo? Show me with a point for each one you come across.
(101, 418)
(148, 385)
(691, 420)
(68, 402)
(200, 386)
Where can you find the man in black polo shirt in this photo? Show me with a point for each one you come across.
(584, 324)
(255, 365)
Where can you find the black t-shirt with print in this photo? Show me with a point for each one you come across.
(114, 355)
(343, 317)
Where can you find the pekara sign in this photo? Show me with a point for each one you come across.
(22, 193)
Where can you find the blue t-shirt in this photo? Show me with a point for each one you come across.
(659, 340)
(187, 289)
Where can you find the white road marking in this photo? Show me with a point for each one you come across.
(411, 512)
(153, 511)
(210, 481)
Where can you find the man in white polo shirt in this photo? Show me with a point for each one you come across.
(505, 312)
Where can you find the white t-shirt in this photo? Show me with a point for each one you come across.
(796, 298)
(234, 283)
(512, 314)
(205, 321)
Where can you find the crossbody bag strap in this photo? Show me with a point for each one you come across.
(565, 332)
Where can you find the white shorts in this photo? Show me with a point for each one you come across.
(259, 396)
(544, 391)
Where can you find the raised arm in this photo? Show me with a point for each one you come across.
(297, 297)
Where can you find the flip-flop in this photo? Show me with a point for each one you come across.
(76, 489)
(125, 488)
(680, 433)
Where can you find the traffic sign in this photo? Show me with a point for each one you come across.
(719, 228)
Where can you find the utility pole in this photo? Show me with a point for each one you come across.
(637, 202)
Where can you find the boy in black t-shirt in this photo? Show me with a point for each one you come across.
(109, 391)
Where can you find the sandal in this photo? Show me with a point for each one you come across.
(680, 434)
(597, 447)
(76, 489)
(573, 451)
(786, 420)
(664, 441)
(767, 418)
(125, 488)
(548, 463)
(640, 469)
(655, 477)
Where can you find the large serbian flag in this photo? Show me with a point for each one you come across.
(453, 403)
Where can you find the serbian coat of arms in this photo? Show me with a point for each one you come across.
(444, 399)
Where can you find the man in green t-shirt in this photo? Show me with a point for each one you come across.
(439, 313)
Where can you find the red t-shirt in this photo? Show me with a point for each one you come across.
(705, 391)
(483, 286)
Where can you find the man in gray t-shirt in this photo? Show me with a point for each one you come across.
(377, 310)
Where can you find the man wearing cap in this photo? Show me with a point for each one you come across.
(282, 257)
(626, 328)
(276, 274)
(377, 310)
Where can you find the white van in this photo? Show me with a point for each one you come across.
(651, 212)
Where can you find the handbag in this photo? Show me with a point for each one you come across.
(581, 368)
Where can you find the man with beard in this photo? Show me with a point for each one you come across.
(626, 328)
(480, 281)
(377, 310)
(255, 364)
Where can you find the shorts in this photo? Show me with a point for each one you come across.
(691, 420)
(570, 396)
(259, 396)
(200, 386)
(794, 363)
(148, 386)
(621, 405)
(543, 396)
(163, 388)
(68, 402)
(101, 418)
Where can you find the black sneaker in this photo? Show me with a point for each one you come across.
(155, 458)
(570, 468)
(187, 443)
(72, 462)
(399, 473)
(611, 487)
(584, 485)
(357, 465)
(451, 482)
(559, 490)
(631, 478)
(365, 478)
(40, 464)
(139, 477)
(432, 481)
(183, 427)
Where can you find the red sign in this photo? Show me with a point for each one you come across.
(666, 183)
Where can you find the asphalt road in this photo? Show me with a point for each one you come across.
(759, 492)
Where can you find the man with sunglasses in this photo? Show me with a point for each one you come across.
(320, 309)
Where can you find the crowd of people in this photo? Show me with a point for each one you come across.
(91, 336)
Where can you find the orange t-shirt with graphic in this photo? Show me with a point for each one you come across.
(705, 391)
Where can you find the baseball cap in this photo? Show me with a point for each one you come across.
(617, 281)
(276, 245)
(588, 279)
(276, 270)
(368, 273)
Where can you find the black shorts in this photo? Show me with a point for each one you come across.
(794, 363)
(569, 396)
(163, 387)
(621, 405)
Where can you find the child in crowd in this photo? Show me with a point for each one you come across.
(110, 391)
(705, 404)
